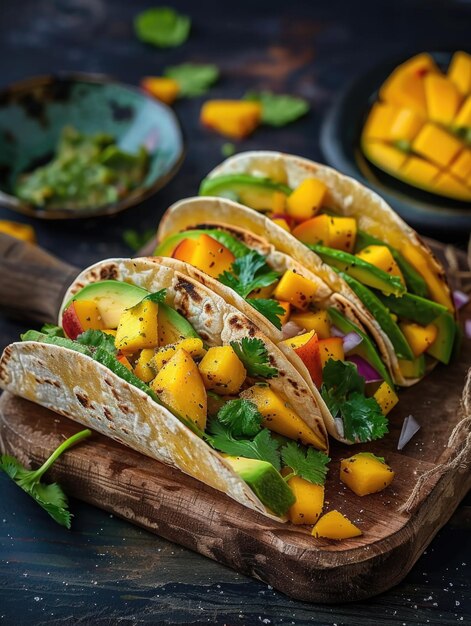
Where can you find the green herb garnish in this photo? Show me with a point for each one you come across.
(158, 296)
(307, 463)
(254, 356)
(271, 309)
(343, 390)
(262, 446)
(52, 330)
(193, 79)
(97, 339)
(50, 497)
(279, 110)
(248, 273)
(242, 417)
(162, 27)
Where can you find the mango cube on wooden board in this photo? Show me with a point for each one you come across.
(309, 500)
(420, 129)
(334, 525)
(364, 473)
(24, 232)
(233, 118)
(386, 397)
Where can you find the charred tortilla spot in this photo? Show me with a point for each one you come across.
(293, 383)
(109, 272)
(208, 309)
(236, 323)
(108, 414)
(83, 399)
(124, 408)
(190, 289)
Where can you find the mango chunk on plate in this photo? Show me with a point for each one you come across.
(420, 171)
(459, 71)
(388, 157)
(443, 98)
(451, 186)
(463, 118)
(436, 145)
(461, 167)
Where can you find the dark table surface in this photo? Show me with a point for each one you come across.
(106, 571)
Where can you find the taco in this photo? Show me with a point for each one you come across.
(352, 239)
(147, 355)
(319, 330)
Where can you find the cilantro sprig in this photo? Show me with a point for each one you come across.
(271, 309)
(254, 356)
(50, 497)
(158, 296)
(242, 417)
(162, 27)
(193, 79)
(343, 390)
(307, 463)
(248, 273)
(97, 339)
(279, 109)
(52, 330)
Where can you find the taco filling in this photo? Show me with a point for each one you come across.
(389, 275)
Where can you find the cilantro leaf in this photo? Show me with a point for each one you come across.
(50, 497)
(52, 330)
(158, 296)
(248, 273)
(162, 27)
(343, 391)
(241, 417)
(271, 309)
(136, 240)
(193, 79)
(97, 339)
(228, 149)
(254, 356)
(307, 463)
(381, 459)
(279, 109)
(262, 446)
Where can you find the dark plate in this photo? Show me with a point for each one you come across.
(33, 113)
(340, 144)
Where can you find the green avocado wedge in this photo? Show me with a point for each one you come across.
(366, 349)
(442, 347)
(173, 327)
(252, 191)
(414, 281)
(414, 368)
(265, 481)
(382, 316)
(167, 247)
(414, 308)
(363, 271)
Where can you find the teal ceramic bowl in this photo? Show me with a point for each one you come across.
(34, 112)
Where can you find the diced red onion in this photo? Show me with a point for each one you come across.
(335, 332)
(290, 329)
(467, 329)
(351, 341)
(365, 369)
(410, 427)
(460, 298)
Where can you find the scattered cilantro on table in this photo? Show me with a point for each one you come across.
(279, 109)
(136, 240)
(193, 79)
(162, 27)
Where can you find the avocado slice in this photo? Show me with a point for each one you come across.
(414, 281)
(173, 327)
(414, 308)
(253, 191)
(382, 316)
(112, 298)
(363, 271)
(265, 481)
(442, 347)
(366, 349)
(166, 248)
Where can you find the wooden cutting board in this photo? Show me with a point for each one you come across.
(179, 508)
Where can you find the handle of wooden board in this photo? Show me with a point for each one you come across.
(32, 281)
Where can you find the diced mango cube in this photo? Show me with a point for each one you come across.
(331, 348)
(278, 202)
(144, 368)
(304, 202)
(315, 230)
(138, 328)
(419, 171)
(263, 292)
(205, 253)
(436, 145)
(420, 338)
(364, 473)
(232, 118)
(180, 387)
(447, 184)
(298, 340)
(443, 98)
(381, 257)
(192, 345)
(334, 525)
(25, 232)
(459, 71)
(384, 155)
(88, 315)
(287, 308)
(280, 417)
(295, 289)
(282, 222)
(318, 321)
(463, 118)
(386, 397)
(406, 125)
(461, 167)
(161, 87)
(406, 90)
(222, 371)
(309, 500)
(342, 233)
(380, 121)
